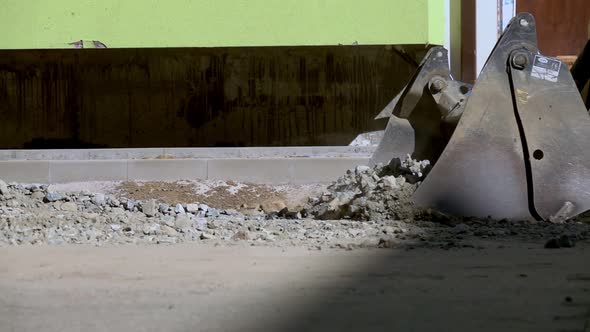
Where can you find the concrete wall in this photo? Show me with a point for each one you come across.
(26, 24)
(196, 97)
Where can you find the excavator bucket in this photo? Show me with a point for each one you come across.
(424, 114)
(520, 149)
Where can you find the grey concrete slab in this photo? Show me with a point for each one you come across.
(188, 153)
(322, 170)
(8, 154)
(257, 170)
(51, 154)
(167, 169)
(270, 152)
(87, 170)
(286, 170)
(124, 153)
(24, 171)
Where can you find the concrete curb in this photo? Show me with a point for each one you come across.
(256, 170)
(189, 153)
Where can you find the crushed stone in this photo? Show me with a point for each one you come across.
(381, 192)
(365, 208)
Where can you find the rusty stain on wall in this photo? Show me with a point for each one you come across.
(196, 97)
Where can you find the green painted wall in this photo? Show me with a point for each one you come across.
(436, 22)
(208, 23)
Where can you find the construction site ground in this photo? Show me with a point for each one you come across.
(144, 256)
(503, 286)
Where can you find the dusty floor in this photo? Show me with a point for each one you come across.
(138, 267)
(508, 286)
(220, 194)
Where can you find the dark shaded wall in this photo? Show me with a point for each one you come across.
(197, 97)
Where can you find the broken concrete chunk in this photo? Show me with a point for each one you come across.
(53, 196)
(362, 169)
(241, 235)
(163, 208)
(130, 205)
(167, 230)
(207, 236)
(99, 199)
(37, 195)
(69, 206)
(149, 208)
(389, 182)
(183, 223)
(179, 209)
(3, 188)
(192, 208)
(274, 205)
(212, 213)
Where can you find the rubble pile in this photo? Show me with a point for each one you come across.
(381, 192)
(33, 214)
(367, 207)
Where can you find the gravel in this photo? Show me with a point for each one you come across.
(53, 196)
(367, 207)
(381, 192)
(3, 188)
(99, 199)
(179, 209)
(149, 208)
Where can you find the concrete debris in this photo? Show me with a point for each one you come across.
(179, 209)
(183, 223)
(412, 170)
(164, 208)
(461, 229)
(3, 188)
(274, 205)
(212, 213)
(149, 208)
(53, 196)
(367, 207)
(99, 199)
(192, 208)
(241, 235)
(151, 229)
(130, 205)
(69, 206)
(37, 195)
(382, 192)
(207, 236)
(564, 241)
(169, 231)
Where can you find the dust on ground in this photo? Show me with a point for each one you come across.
(220, 194)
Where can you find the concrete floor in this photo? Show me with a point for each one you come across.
(504, 287)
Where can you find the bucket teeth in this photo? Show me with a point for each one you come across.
(519, 150)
